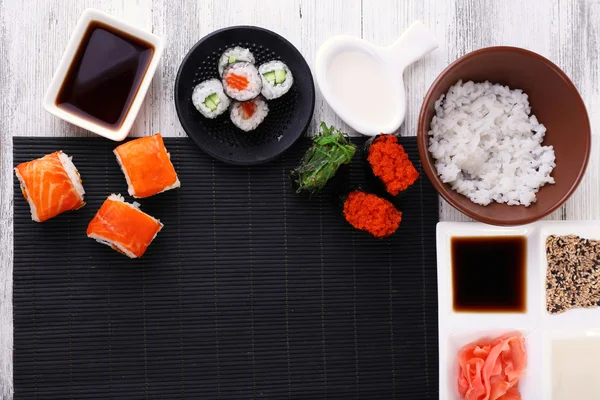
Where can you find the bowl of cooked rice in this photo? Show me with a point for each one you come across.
(504, 136)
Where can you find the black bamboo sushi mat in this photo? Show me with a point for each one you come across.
(248, 292)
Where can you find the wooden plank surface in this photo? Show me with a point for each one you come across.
(34, 33)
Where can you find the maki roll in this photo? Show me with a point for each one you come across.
(147, 166)
(233, 55)
(277, 79)
(210, 99)
(241, 81)
(123, 226)
(51, 185)
(370, 213)
(389, 164)
(249, 114)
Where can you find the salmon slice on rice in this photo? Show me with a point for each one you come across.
(147, 166)
(51, 185)
(124, 227)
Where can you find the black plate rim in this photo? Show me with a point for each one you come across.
(207, 149)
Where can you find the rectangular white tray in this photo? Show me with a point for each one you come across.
(538, 326)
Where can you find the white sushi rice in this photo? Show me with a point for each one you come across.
(271, 90)
(238, 117)
(488, 146)
(131, 188)
(32, 208)
(67, 163)
(240, 54)
(74, 177)
(248, 71)
(205, 89)
(119, 197)
(118, 246)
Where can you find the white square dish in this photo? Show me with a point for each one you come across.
(457, 329)
(50, 99)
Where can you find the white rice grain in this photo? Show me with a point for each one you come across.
(488, 146)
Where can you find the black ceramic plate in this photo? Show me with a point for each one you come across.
(289, 116)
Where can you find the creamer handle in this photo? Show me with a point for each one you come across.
(413, 44)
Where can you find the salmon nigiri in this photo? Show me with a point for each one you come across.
(51, 185)
(123, 226)
(147, 166)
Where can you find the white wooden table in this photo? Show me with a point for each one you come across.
(34, 33)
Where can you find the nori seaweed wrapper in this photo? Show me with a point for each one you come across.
(336, 185)
(331, 150)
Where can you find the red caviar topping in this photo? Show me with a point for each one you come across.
(370, 213)
(390, 163)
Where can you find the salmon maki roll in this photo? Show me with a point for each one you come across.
(124, 227)
(147, 166)
(241, 81)
(51, 185)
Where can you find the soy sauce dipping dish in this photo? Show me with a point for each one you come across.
(363, 83)
(103, 75)
(555, 102)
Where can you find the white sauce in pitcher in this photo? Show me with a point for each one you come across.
(361, 85)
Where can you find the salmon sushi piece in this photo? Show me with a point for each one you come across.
(123, 226)
(51, 185)
(147, 166)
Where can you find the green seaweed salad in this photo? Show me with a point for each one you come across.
(330, 149)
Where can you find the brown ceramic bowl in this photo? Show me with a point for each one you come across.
(553, 99)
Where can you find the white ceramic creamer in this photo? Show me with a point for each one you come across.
(363, 83)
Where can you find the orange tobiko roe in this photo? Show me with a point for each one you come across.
(390, 163)
(371, 213)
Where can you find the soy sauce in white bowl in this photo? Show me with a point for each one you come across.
(105, 75)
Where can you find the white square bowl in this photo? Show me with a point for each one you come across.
(457, 329)
(90, 15)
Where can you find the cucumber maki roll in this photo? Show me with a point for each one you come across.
(388, 165)
(241, 81)
(233, 55)
(209, 98)
(277, 79)
(248, 115)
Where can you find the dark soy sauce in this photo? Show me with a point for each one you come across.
(489, 274)
(105, 75)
